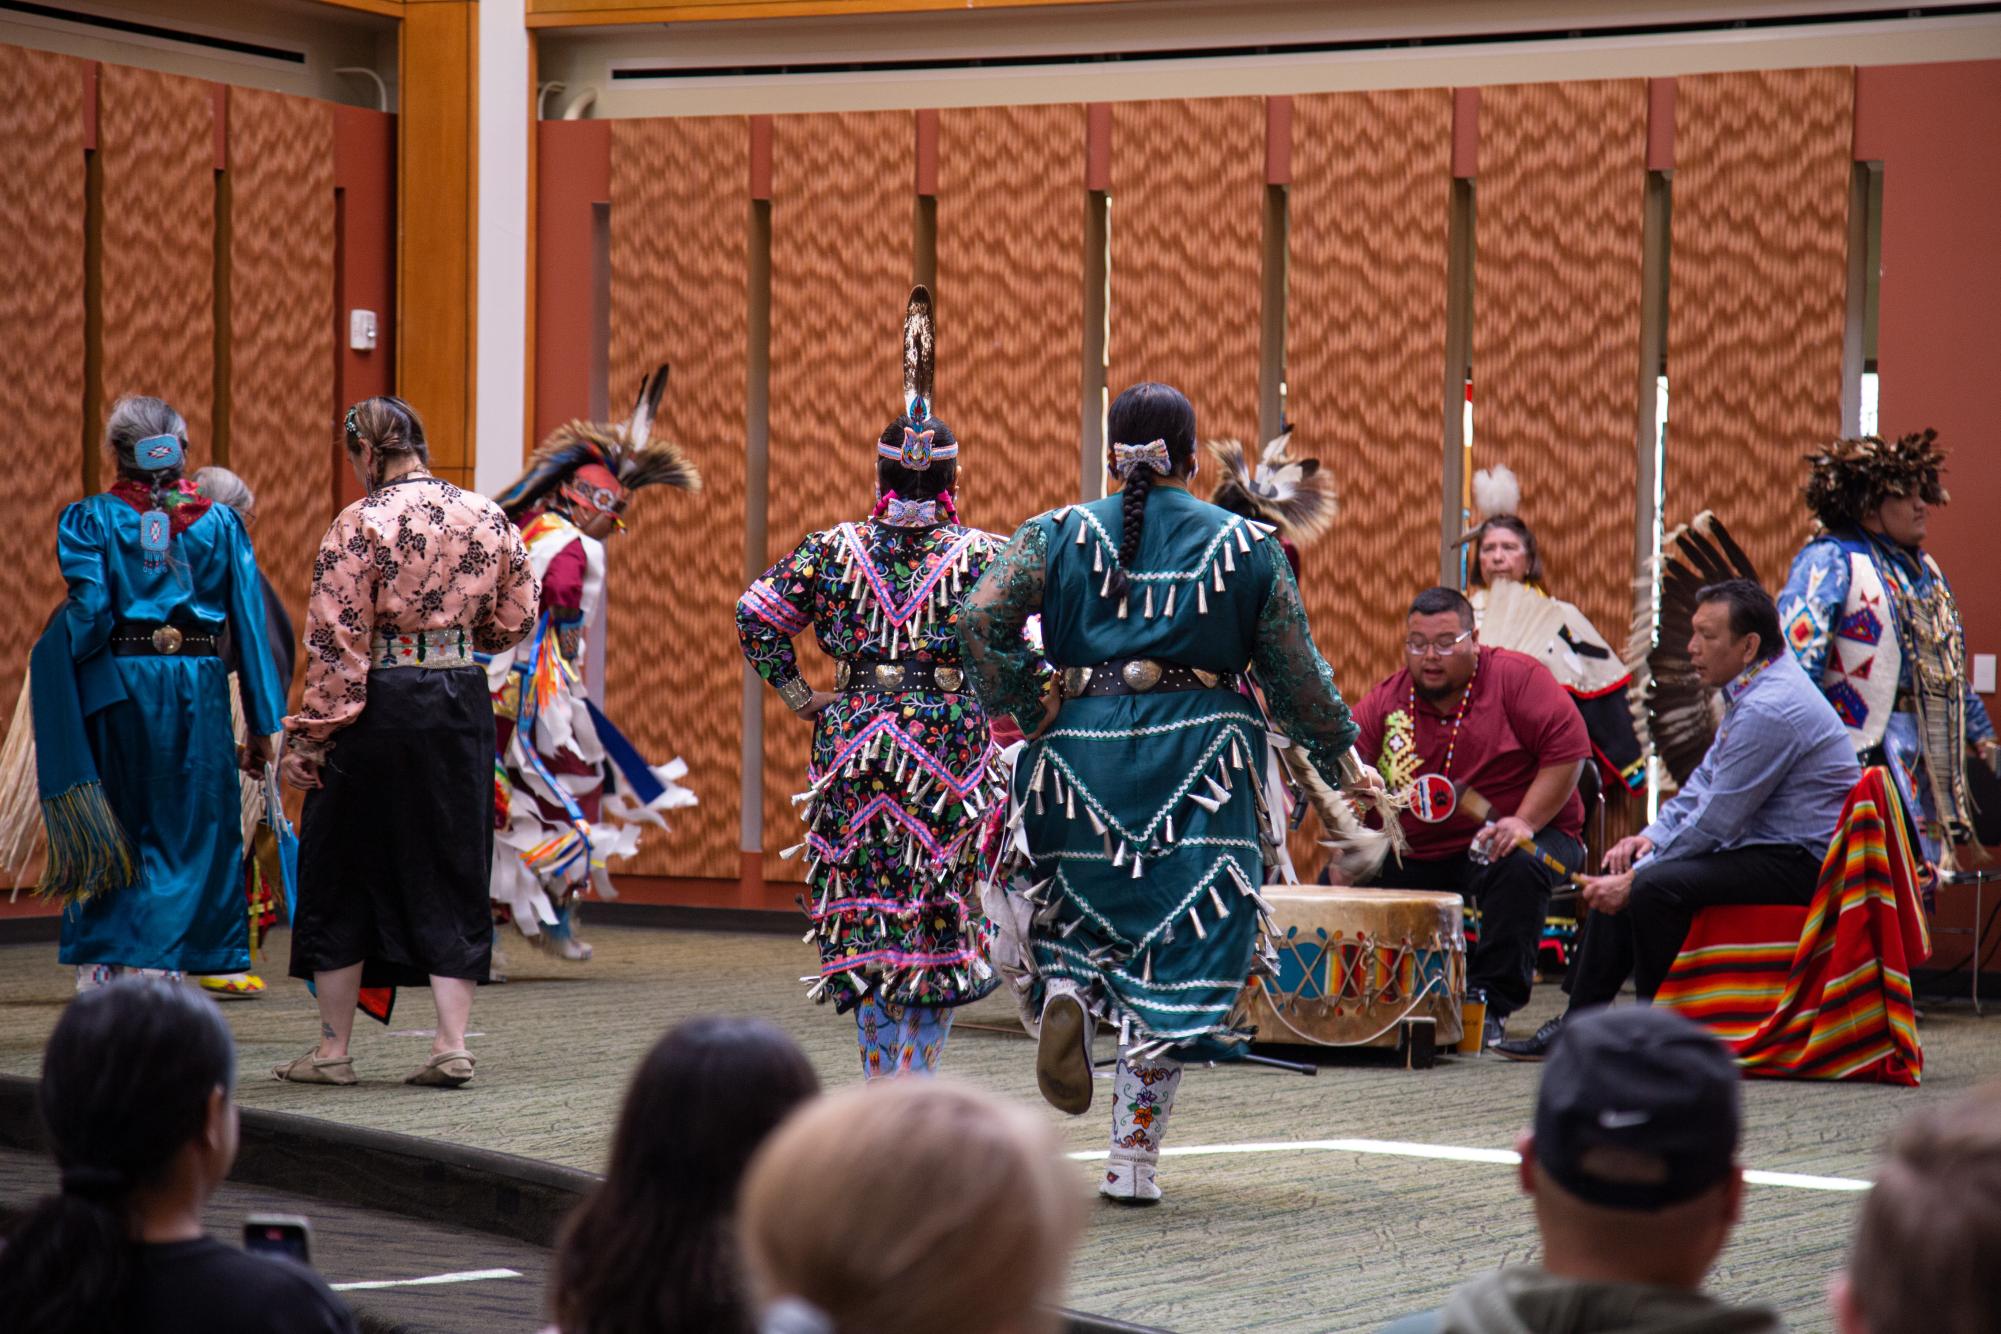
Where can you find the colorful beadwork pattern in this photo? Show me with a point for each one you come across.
(900, 783)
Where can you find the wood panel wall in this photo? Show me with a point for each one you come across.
(841, 262)
(42, 196)
(281, 326)
(679, 278)
(1010, 301)
(1763, 163)
(1365, 351)
(1556, 324)
(158, 148)
(1187, 243)
(437, 164)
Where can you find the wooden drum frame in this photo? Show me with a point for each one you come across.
(1362, 968)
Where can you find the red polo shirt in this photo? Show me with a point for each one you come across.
(1518, 721)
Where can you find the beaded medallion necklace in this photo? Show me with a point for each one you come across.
(1433, 797)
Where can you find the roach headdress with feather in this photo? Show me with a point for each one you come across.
(1851, 477)
(916, 438)
(1296, 496)
(598, 465)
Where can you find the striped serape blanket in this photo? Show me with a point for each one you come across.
(1821, 992)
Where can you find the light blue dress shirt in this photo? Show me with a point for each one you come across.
(1779, 771)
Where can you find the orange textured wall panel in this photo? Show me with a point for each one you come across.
(1010, 300)
(41, 335)
(1762, 175)
(156, 142)
(281, 326)
(679, 272)
(841, 259)
(1556, 324)
(1365, 355)
(1188, 191)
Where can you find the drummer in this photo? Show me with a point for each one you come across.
(1462, 727)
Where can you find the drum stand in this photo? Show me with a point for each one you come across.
(1248, 1058)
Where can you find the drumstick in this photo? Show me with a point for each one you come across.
(1528, 845)
(1482, 810)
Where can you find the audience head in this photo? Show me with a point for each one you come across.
(225, 488)
(1150, 434)
(135, 1099)
(651, 1248)
(1632, 1161)
(1927, 1256)
(1439, 645)
(907, 1207)
(1736, 623)
(1504, 548)
(380, 432)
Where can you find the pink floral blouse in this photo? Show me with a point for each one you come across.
(417, 555)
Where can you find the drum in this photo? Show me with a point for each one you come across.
(1356, 967)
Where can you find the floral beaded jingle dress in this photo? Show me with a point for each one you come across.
(900, 781)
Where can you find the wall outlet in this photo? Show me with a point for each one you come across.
(361, 330)
(1983, 673)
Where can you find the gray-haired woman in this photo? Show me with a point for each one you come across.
(134, 743)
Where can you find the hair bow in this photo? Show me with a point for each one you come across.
(157, 453)
(910, 513)
(918, 450)
(1128, 459)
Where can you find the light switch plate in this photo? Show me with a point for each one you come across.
(1983, 673)
(361, 330)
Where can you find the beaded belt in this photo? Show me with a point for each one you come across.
(145, 639)
(881, 674)
(1141, 676)
(437, 649)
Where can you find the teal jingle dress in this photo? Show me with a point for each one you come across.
(1141, 820)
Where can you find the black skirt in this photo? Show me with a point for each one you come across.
(396, 845)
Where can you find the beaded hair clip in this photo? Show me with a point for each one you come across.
(1128, 459)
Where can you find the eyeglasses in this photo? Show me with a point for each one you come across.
(1444, 648)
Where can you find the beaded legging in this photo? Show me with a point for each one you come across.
(901, 1039)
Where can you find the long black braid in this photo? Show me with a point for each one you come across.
(1138, 487)
(1143, 413)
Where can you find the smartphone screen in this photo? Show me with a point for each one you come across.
(288, 1235)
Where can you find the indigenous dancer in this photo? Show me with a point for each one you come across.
(1140, 811)
(1871, 619)
(135, 750)
(1513, 609)
(570, 787)
(901, 770)
(393, 743)
(263, 876)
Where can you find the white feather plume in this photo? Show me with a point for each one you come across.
(1496, 490)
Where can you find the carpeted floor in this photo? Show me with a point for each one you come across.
(1311, 1240)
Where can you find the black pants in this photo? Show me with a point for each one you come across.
(1642, 941)
(1513, 897)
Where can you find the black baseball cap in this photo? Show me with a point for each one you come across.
(1638, 1108)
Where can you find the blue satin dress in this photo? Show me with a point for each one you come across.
(161, 734)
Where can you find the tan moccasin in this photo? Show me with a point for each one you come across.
(310, 1069)
(446, 1070)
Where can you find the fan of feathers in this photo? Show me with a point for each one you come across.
(1675, 713)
